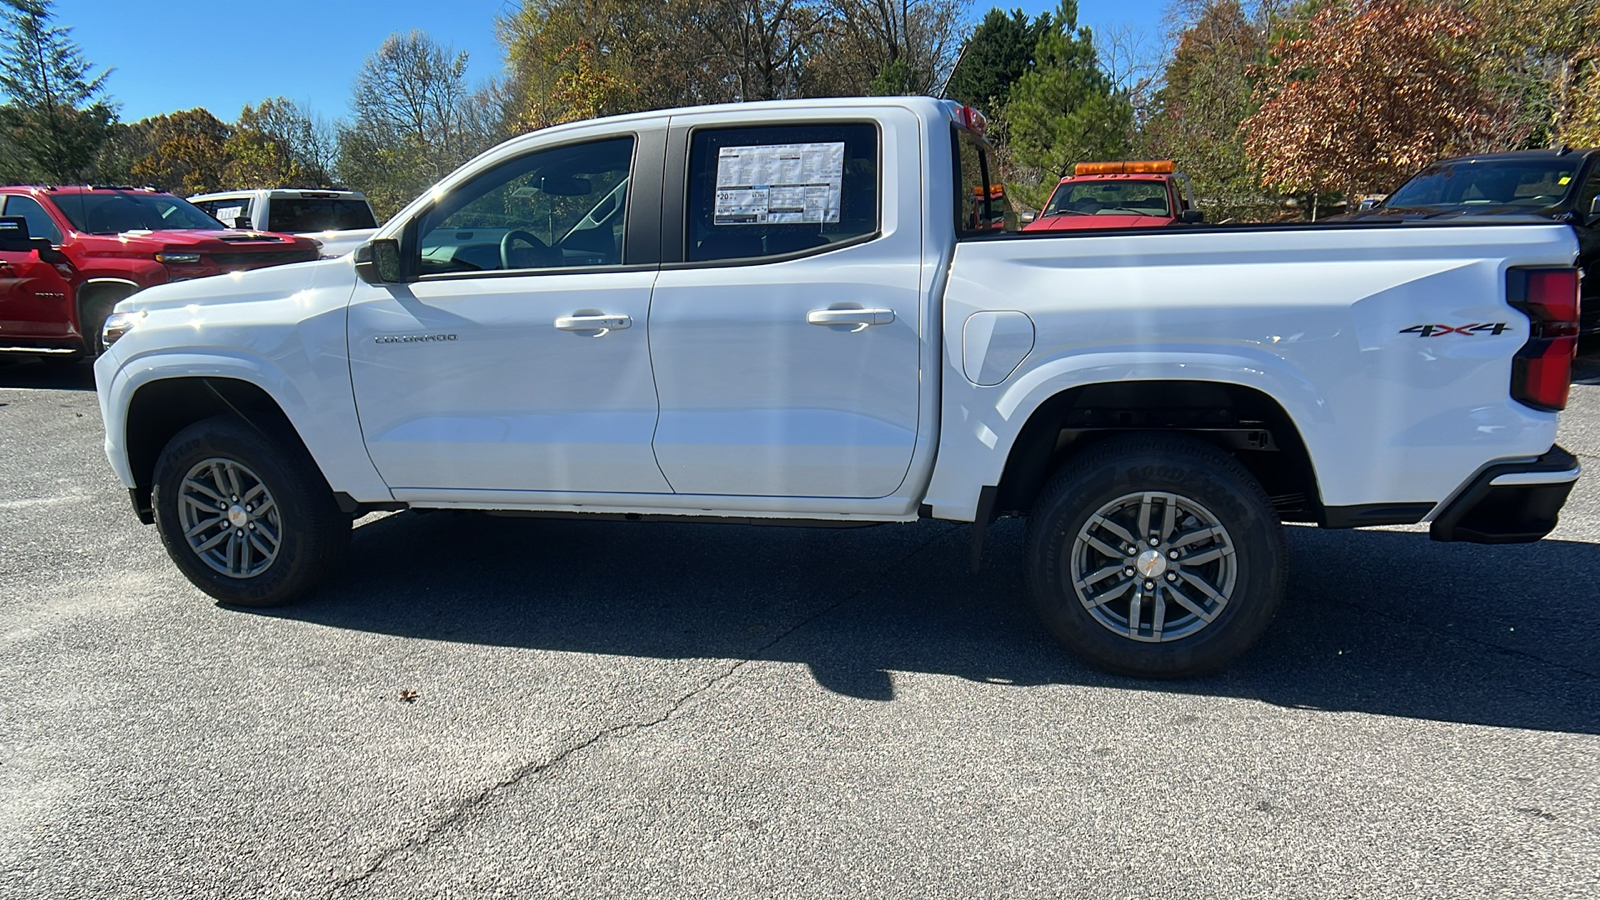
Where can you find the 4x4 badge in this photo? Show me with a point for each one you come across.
(1442, 330)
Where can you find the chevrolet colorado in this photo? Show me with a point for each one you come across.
(806, 311)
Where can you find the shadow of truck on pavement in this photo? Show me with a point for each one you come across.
(1378, 622)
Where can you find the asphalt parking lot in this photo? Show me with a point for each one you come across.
(615, 709)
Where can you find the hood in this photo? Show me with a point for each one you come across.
(271, 283)
(1095, 222)
(204, 241)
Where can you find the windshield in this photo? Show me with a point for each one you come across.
(113, 213)
(319, 214)
(1520, 183)
(1108, 198)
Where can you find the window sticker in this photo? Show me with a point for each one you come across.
(229, 214)
(779, 184)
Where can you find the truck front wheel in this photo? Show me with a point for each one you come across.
(1156, 556)
(246, 517)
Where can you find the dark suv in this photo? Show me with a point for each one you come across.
(1553, 184)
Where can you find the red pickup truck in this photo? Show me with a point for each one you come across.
(1142, 194)
(68, 254)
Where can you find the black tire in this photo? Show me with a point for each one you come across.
(1205, 484)
(312, 534)
(92, 317)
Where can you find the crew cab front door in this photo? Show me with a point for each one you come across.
(36, 293)
(785, 327)
(518, 360)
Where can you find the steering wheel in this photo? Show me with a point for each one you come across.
(541, 249)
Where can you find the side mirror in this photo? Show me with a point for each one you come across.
(242, 223)
(1191, 217)
(378, 262)
(1594, 208)
(14, 237)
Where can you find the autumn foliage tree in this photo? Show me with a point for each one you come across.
(1365, 94)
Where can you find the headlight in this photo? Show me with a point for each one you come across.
(178, 258)
(119, 324)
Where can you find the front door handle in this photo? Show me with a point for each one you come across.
(601, 324)
(860, 318)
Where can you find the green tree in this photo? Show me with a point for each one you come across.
(1064, 110)
(277, 143)
(1541, 59)
(999, 52)
(58, 114)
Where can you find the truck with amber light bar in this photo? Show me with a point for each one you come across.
(1129, 194)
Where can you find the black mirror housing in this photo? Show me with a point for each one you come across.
(379, 262)
(1191, 217)
(14, 235)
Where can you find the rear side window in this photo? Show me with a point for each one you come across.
(228, 212)
(318, 214)
(39, 221)
(780, 189)
(981, 202)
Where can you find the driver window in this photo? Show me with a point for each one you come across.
(561, 207)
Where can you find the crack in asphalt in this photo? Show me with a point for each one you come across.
(533, 770)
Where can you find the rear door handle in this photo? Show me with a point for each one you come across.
(601, 324)
(860, 318)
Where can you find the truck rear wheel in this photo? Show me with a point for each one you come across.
(1156, 556)
(247, 518)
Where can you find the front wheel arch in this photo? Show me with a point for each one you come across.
(160, 409)
(96, 299)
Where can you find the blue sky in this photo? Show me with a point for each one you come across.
(178, 54)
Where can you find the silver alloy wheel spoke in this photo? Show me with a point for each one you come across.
(1109, 594)
(1101, 575)
(1185, 559)
(189, 484)
(1103, 547)
(1122, 534)
(202, 525)
(1204, 556)
(229, 518)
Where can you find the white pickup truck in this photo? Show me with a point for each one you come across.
(339, 221)
(808, 311)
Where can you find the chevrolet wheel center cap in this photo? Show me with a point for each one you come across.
(1151, 564)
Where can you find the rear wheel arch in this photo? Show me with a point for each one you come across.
(160, 409)
(1224, 414)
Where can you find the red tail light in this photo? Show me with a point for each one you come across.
(1541, 372)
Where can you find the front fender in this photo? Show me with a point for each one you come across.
(326, 422)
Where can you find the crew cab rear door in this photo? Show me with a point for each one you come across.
(785, 324)
(517, 359)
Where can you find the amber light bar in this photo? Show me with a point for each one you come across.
(1141, 167)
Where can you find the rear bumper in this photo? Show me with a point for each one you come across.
(1510, 503)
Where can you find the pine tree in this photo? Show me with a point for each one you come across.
(1065, 109)
(999, 52)
(58, 113)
